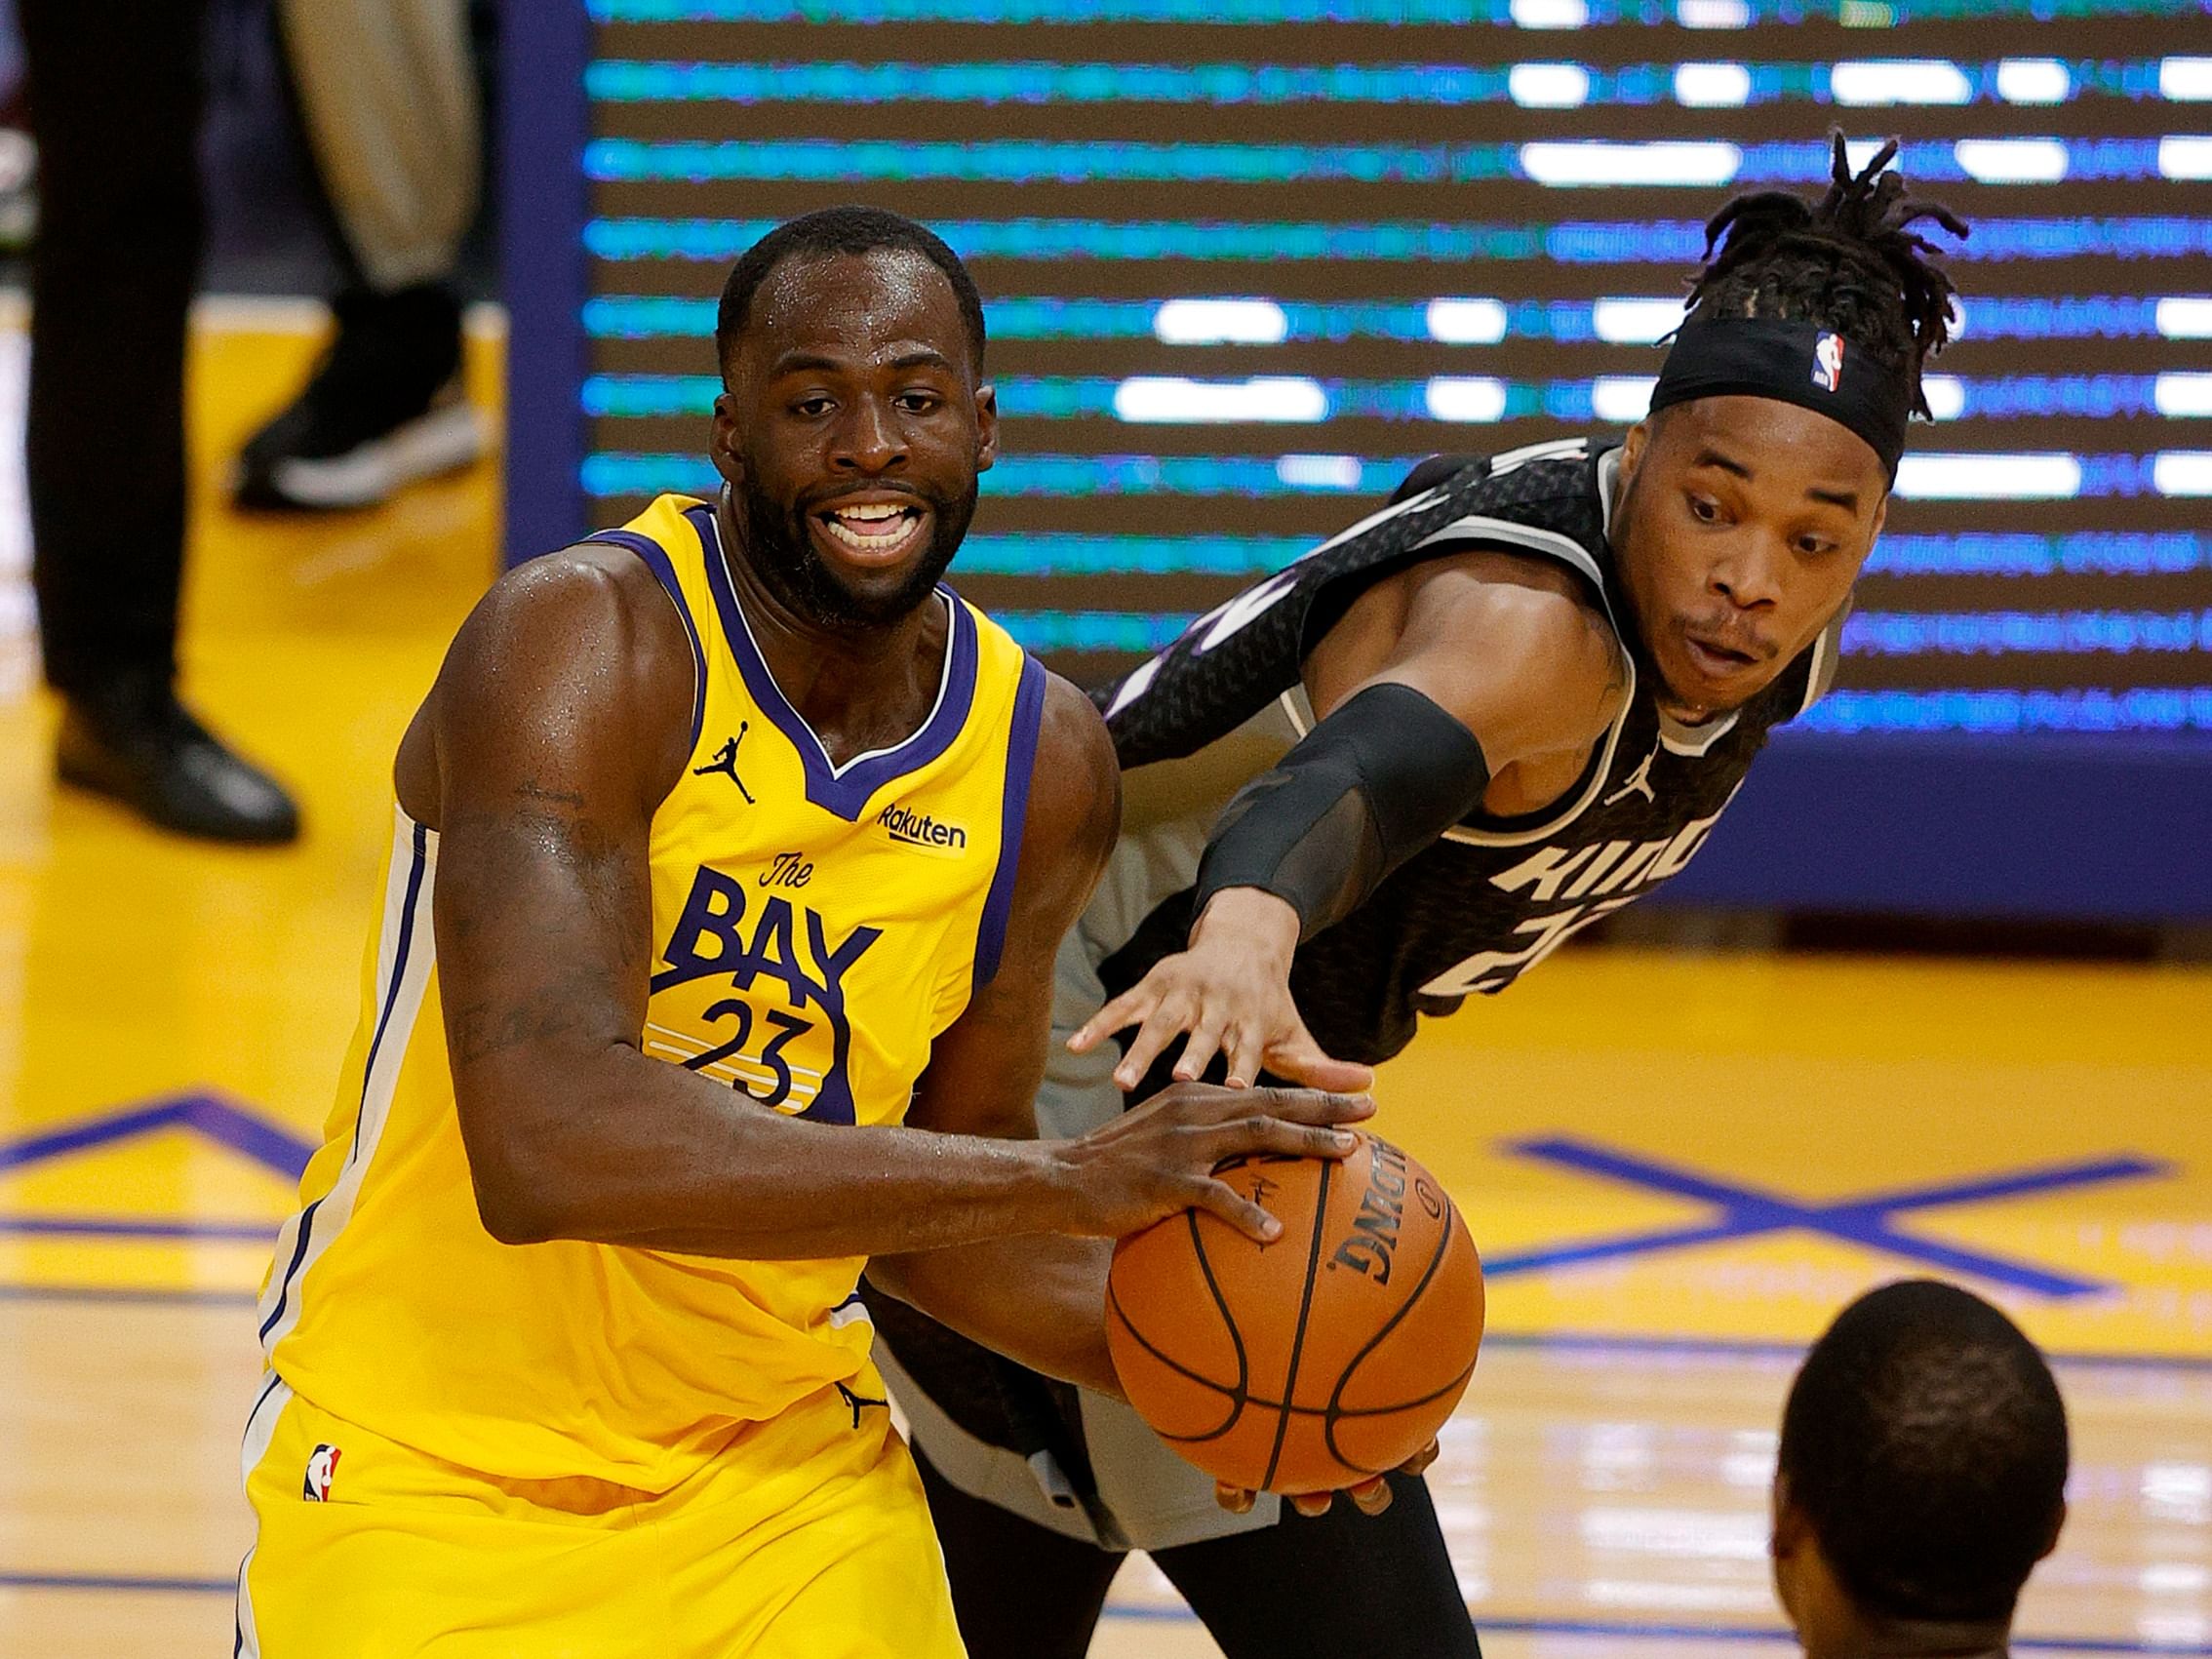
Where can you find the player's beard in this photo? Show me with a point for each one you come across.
(784, 556)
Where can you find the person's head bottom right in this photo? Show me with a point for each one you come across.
(1922, 1466)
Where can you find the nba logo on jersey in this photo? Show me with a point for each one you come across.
(1827, 362)
(322, 1467)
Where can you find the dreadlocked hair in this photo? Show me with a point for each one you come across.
(1848, 262)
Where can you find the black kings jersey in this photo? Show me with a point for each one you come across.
(1495, 896)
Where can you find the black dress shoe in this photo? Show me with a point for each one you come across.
(146, 751)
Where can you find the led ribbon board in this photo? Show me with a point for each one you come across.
(1249, 259)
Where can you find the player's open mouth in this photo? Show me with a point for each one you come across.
(1715, 661)
(874, 531)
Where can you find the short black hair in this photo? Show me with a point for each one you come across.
(840, 230)
(1847, 262)
(1925, 1443)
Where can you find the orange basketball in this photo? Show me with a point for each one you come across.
(1315, 1361)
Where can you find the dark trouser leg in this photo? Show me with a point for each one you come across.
(1020, 1591)
(1340, 1585)
(115, 96)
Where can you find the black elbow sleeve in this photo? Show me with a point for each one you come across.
(1368, 788)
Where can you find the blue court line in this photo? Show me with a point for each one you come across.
(1046, 474)
(105, 1582)
(133, 1227)
(1097, 397)
(2022, 633)
(1606, 241)
(100, 1581)
(1595, 1343)
(158, 1296)
(1750, 1213)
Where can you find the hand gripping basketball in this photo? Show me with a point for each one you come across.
(1316, 1362)
(1161, 1158)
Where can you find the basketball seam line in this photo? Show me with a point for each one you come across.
(1221, 1306)
(1332, 1414)
(1237, 1397)
(1305, 1308)
(1428, 1275)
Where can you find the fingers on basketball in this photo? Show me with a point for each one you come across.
(1313, 1361)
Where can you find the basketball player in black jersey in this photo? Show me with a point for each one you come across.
(1404, 769)
(1921, 1476)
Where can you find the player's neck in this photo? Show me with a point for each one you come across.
(856, 688)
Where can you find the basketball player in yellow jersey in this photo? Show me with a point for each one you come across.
(731, 854)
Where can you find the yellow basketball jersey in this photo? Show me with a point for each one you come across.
(815, 928)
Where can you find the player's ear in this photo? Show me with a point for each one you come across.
(2058, 1525)
(722, 442)
(1632, 450)
(986, 426)
(1789, 1531)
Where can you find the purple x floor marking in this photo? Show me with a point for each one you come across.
(1750, 1213)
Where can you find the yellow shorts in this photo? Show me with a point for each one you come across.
(807, 1538)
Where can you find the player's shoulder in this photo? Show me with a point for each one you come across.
(573, 646)
(586, 630)
(1071, 731)
(1512, 604)
(586, 600)
(1557, 469)
(1529, 547)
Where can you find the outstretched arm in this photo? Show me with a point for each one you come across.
(1436, 680)
(556, 727)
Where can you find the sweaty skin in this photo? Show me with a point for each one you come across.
(559, 722)
(1739, 522)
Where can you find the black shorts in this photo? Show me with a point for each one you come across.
(1330, 1587)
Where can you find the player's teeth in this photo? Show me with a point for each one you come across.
(866, 540)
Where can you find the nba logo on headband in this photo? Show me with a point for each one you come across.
(1827, 362)
(1767, 357)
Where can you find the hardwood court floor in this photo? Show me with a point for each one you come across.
(1678, 1167)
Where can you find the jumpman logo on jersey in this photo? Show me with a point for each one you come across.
(855, 1401)
(725, 763)
(1638, 783)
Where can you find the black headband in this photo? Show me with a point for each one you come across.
(1799, 363)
